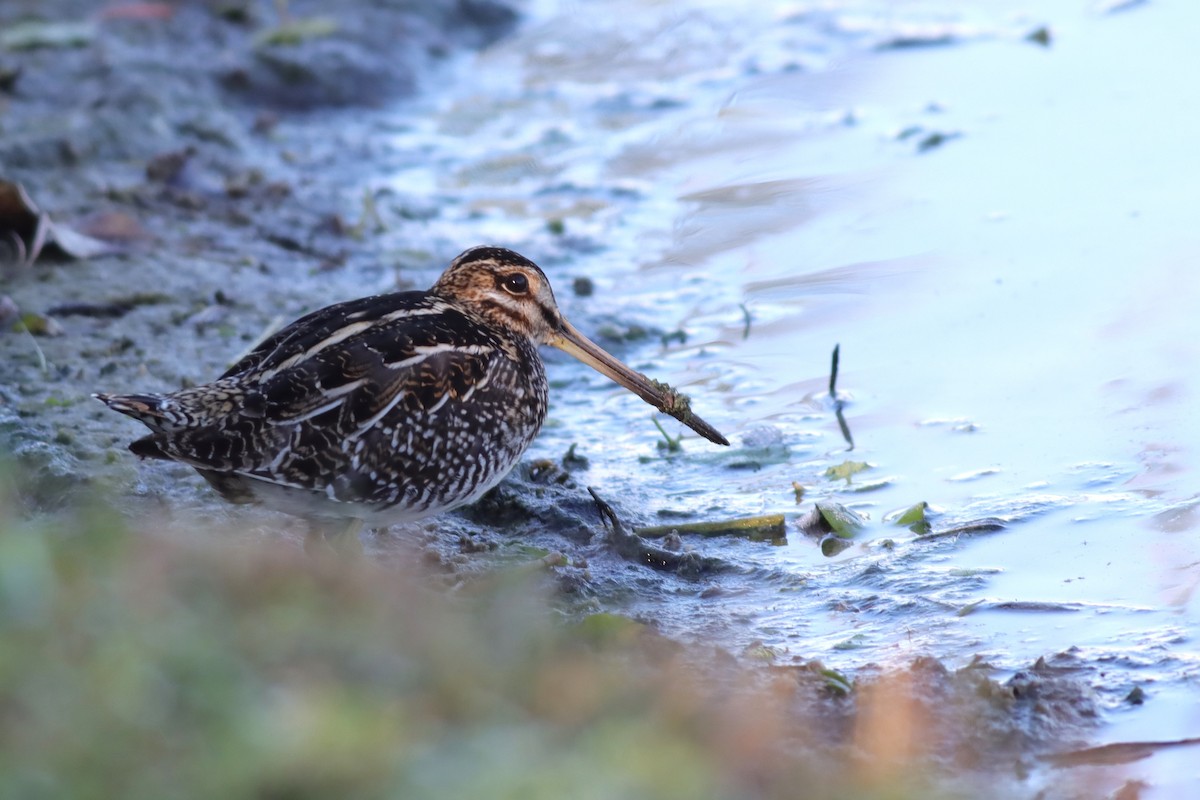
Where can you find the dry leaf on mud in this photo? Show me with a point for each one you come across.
(26, 230)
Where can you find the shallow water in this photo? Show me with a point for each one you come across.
(1014, 305)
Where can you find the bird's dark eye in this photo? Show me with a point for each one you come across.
(516, 283)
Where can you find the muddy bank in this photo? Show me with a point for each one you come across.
(237, 201)
(214, 146)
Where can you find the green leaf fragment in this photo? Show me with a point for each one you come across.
(34, 34)
(38, 325)
(764, 527)
(836, 682)
(297, 31)
(764, 653)
(841, 521)
(853, 643)
(914, 515)
(832, 545)
(606, 628)
(846, 470)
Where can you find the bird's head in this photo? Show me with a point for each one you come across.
(511, 292)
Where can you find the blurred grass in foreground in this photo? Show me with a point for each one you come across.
(134, 665)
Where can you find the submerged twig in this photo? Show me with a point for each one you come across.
(985, 525)
(768, 526)
(833, 371)
(1116, 753)
(837, 403)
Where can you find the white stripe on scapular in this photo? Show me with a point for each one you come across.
(345, 388)
(438, 308)
(422, 352)
(277, 462)
(441, 402)
(335, 397)
(368, 424)
(346, 331)
(310, 414)
(341, 334)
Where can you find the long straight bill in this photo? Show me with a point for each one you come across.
(657, 394)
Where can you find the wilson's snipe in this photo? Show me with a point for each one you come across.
(388, 408)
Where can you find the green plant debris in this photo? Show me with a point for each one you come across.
(828, 517)
(914, 518)
(832, 545)
(528, 552)
(38, 324)
(936, 139)
(370, 220)
(768, 526)
(671, 444)
(572, 460)
(913, 515)
(606, 628)
(846, 470)
(836, 682)
(855, 642)
(674, 403)
(676, 336)
(297, 31)
(760, 652)
(34, 34)
(236, 11)
(1040, 35)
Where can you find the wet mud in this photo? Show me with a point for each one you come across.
(211, 145)
(224, 154)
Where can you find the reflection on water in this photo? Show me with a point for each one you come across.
(1015, 302)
